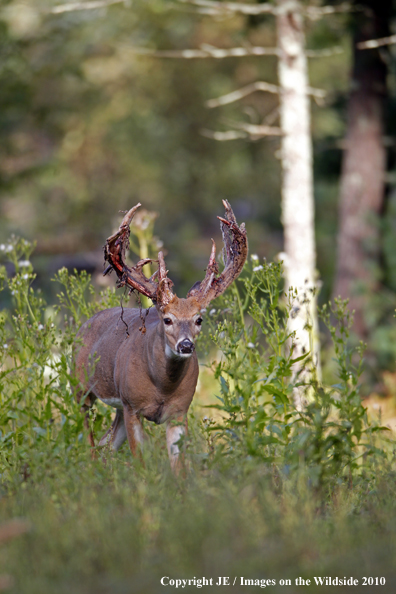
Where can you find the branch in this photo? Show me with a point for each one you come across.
(272, 116)
(223, 136)
(83, 5)
(208, 51)
(373, 43)
(258, 131)
(240, 93)
(316, 12)
(324, 53)
(233, 7)
(257, 86)
(312, 12)
(254, 132)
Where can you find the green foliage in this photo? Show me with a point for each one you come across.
(112, 529)
(266, 483)
(88, 128)
(36, 379)
(329, 437)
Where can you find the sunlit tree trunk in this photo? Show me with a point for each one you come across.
(363, 169)
(297, 184)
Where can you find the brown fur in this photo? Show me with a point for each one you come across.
(130, 369)
(150, 372)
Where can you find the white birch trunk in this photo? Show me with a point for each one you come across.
(297, 184)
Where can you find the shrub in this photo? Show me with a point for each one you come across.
(36, 379)
(330, 437)
(327, 440)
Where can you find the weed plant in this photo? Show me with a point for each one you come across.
(270, 492)
(36, 369)
(330, 437)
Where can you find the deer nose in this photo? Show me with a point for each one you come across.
(185, 346)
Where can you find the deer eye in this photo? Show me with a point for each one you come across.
(198, 321)
(167, 321)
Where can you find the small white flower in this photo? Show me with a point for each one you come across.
(14, 292)
(257, 268)
(250, 345)
(2, 247)
(254, 258)
(9, 248)
(212, 312)
(5, 346)
(203, 310)
(40, 327)
(24, 263)
(25, 276)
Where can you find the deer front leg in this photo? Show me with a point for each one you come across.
(88, 400)
(87, 426)
(134, 430)
(175, 429)
(116, 435)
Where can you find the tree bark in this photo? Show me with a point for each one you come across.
(297, 183)
(363, 169)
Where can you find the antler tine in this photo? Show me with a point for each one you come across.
(235, 253)
(165, 294)
(114, 253)
(212, 272)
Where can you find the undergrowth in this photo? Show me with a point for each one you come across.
(330, 438)
(272, 490)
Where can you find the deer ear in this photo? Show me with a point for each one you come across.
(194, 288)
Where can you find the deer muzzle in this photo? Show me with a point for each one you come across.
(185, 347)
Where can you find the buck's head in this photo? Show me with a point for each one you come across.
(181, 321)
(181, 318)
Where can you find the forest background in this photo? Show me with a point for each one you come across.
(91, 123)
(89, 127)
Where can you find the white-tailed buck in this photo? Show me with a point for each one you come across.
(149, 369)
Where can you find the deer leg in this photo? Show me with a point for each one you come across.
(85, 408)
(134, 430)
(175, 429)
(116, 435)
(87, 427)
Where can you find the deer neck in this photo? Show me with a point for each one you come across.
(166, 368)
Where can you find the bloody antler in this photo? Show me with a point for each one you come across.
(159, 287)
(114, 253)
(235, 253)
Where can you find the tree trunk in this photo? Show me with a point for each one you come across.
(363, 169)
(297, 184)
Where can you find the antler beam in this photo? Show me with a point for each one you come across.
(114, 253)
(235, 253)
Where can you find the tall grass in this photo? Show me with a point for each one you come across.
(271, 490)
(330, 438)
(38, 409)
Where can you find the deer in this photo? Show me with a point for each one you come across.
(143, 362)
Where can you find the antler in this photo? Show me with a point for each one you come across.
(234, 254)
(114, 253)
